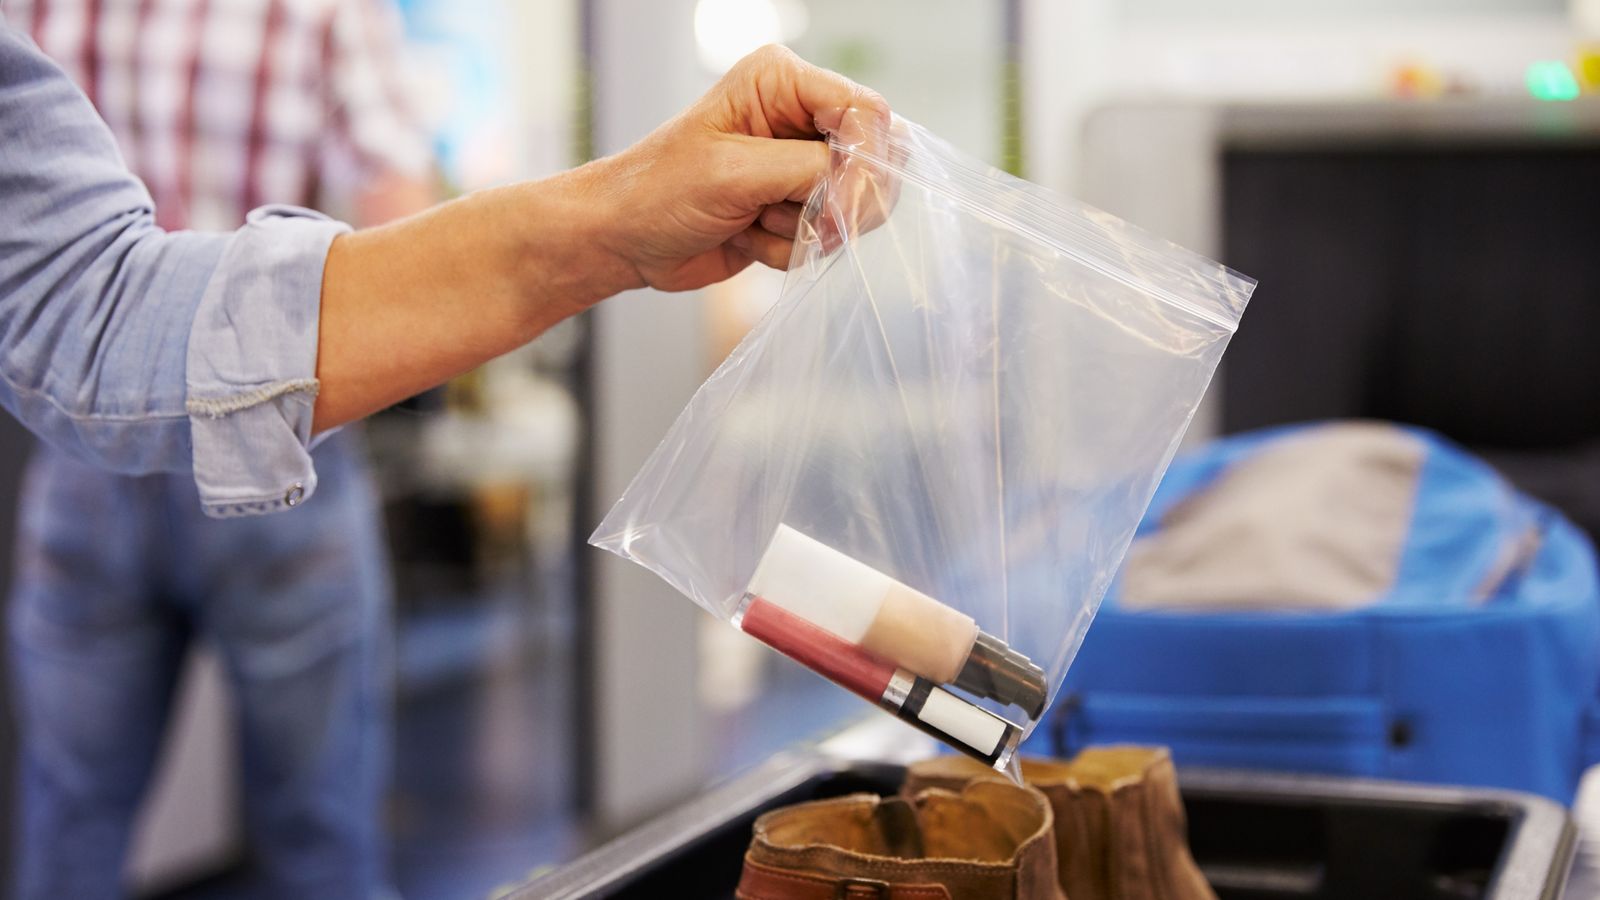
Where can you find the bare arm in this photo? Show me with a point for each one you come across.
(408, 305)
(411, 304)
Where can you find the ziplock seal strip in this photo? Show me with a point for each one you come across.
(1070, 221)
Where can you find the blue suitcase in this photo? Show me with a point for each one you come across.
(1424, 684)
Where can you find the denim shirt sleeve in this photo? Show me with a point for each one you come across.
(136, 349)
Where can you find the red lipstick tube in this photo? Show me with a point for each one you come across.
(915, 700)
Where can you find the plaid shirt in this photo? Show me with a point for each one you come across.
(224, 105)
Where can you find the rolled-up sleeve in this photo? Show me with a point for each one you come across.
(252, 364)
(136, 349)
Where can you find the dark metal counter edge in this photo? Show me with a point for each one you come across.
(1523, 871)
(611, 864)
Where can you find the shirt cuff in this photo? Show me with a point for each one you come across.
(252, 364)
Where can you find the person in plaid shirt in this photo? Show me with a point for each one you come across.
(220, 106)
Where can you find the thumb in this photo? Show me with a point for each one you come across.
(764, 171)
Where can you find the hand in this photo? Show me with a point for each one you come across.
(721, 185)
(410, 304)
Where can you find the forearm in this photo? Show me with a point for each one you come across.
(411, 304)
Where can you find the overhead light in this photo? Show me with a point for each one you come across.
(726, 30)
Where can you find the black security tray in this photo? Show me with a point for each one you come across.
(1257, 836)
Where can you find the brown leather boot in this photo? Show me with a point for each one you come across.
(1120, 832)
(988, 839)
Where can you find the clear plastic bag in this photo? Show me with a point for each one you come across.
(920, 471)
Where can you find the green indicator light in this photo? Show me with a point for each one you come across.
(1550, 79)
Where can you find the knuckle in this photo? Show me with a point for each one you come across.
(769, 58)
(774, 53)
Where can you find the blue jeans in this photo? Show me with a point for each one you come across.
(116, 577)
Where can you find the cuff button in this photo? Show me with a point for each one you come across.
(295, 494)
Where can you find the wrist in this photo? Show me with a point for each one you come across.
(606, 218)
(569, 239)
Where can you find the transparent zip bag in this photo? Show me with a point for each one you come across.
(918, 474)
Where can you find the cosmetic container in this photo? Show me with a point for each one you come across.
(894, 621)
(913, 699)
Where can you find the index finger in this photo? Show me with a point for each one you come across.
(774, 93)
